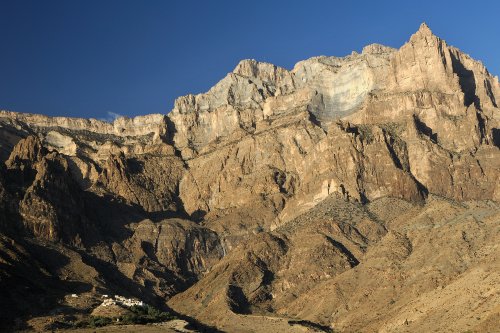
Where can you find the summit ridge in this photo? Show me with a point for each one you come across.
(370, 180)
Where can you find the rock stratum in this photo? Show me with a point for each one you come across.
(353, 194)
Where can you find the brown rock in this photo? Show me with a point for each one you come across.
(347, 191)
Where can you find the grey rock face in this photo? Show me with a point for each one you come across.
(400, 122)
(259, 149)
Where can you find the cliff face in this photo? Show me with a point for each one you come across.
(161, 198)
(354, 268)
(385, 122)
(319, 128)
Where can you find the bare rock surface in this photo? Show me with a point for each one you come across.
(355, 269)
(357, 192)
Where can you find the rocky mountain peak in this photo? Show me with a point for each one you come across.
(424, 29)
(294, 176)
(377, 49)
(29, 150)
(257, 69)
(423, 33)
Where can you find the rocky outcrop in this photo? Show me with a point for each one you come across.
(50, 201)
(413, 110)
(122, 126)
(168, 255)
(356, 268)
(410, 109)
(265, 272)
(4, 204)
(247, 172)
(108, 223)
(150, 182)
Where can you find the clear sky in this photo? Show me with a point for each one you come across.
(96, 58)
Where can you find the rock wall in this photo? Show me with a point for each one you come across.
(159, 199)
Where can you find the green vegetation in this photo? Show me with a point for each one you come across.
(140, 315)
(99, 321)
(145, 315)
(92, 321)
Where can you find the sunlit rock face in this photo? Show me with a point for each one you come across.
(400, 122)
(296, 174)
(383, 122)
(342, 84)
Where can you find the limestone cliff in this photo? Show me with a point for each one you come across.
(152, 203)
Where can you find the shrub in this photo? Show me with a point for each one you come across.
(140, 315)
(145, 314)
(99, 321)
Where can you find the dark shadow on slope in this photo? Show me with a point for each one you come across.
(134, 166)
(120, 284)
(389, 143)
(422, 189)
(481, 124)
(28, 283)
(313, 119)
(466, 80)
(198, 215)
(353, 261)
(363, 199)
(111, 216)
(168, 138)
(489, 92)
(495, 133)
(238, 302)
(397, 148)
(309, 324)
(424, 129)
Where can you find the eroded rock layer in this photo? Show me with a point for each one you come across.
(265, 192)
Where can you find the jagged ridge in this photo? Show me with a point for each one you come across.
(254, 153)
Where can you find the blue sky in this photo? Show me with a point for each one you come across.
(99, 58)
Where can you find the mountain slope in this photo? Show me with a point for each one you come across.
(258, 196)
(355, 269)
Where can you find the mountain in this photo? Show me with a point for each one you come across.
(353, 194)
